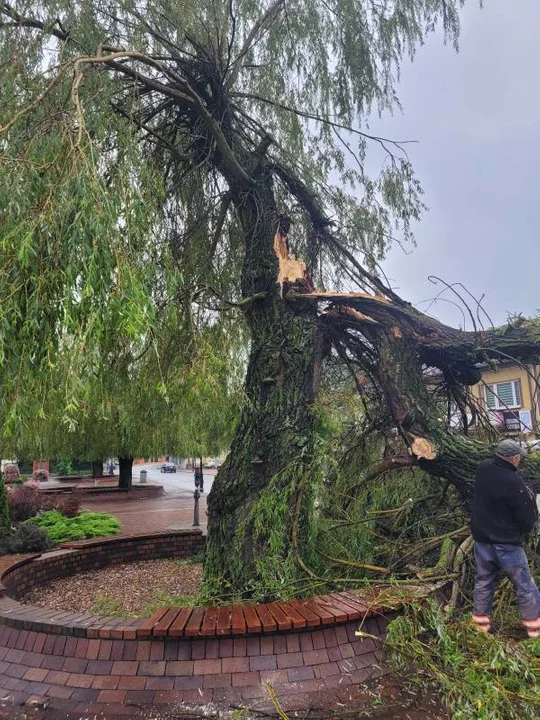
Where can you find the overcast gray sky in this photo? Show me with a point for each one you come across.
(476, 116)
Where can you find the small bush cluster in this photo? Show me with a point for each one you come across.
(40, 475)
(45, 520)
(26, 537)
(26, 502)
(68, 505)
(63, 466)
(11, 473)
(84, 525)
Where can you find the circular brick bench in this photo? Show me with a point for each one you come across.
(306, 650)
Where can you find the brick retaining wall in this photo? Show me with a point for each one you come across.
(306, 650)
(83, 555)
(317, 669)
(136, 492)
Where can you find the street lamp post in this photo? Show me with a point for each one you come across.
(196, 496)
(199, 479)
(199, 485)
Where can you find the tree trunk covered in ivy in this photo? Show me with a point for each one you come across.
(253, 517)
(125, 473)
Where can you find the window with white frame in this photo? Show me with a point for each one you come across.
(503, 395)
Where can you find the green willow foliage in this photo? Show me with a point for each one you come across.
(118, 242)
(89, 337)
(479, 676)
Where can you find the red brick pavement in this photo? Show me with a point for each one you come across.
(108, 676)
(139, 515)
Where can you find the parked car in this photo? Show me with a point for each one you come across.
(213, 464)
(168, 468)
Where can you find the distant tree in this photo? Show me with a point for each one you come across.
(137, 403)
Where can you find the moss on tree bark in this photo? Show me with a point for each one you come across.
(252, 508)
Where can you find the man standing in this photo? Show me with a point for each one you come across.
(504, 510)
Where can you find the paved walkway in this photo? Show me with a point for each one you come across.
(169, 511)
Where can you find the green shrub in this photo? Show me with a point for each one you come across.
(26, 538)
(63, 466)
(85, 525)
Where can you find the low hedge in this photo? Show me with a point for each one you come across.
(84, 525)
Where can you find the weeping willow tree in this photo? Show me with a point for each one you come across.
(186, 404)
(95, 360)
(213, 156)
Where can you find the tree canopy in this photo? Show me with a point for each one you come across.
(107, 185)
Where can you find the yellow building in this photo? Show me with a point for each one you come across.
(511, 397)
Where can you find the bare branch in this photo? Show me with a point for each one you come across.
(52, 28)
(326, 121)
(262, 24)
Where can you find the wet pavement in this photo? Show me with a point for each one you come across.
(172, 510)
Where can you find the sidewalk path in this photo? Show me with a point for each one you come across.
(170, 511)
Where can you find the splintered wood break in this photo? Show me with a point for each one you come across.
(331, 295)
(350, 312)
(422, 448)
(291, 270)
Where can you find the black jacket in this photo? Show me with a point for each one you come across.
(504, 507)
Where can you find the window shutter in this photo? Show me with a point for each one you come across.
(491, 400)
(518, 392)
(505, 394)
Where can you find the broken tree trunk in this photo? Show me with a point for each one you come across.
(405, 341)
(252, 508)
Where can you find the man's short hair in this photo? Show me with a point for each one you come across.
(509, 448)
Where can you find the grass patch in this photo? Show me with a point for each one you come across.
(162, 598)
(108, 606)
(84, 525)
